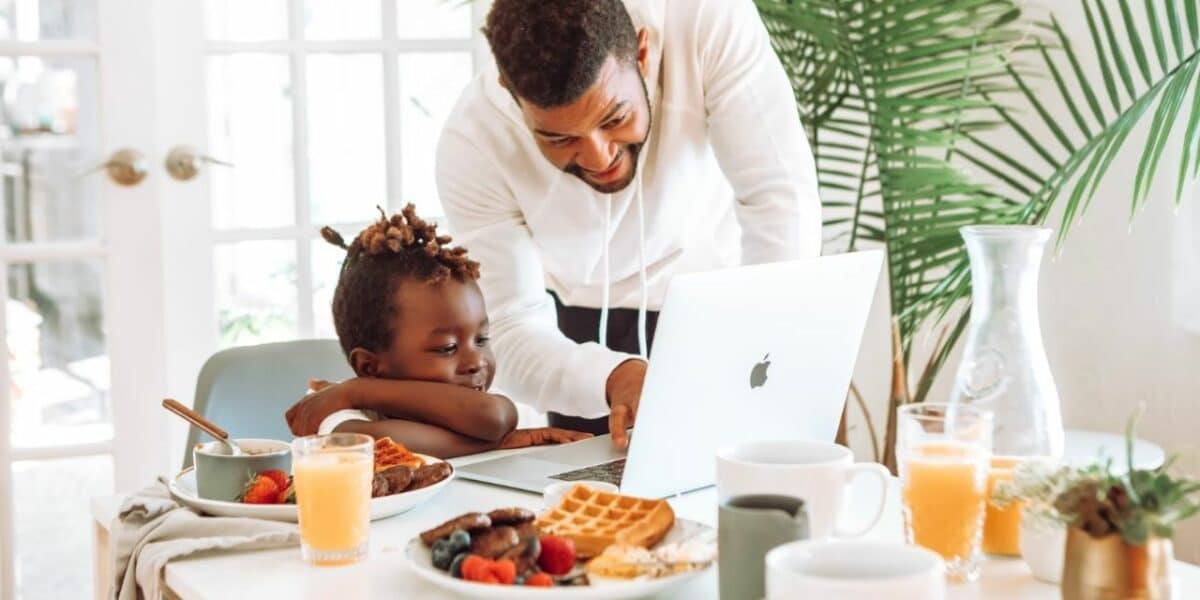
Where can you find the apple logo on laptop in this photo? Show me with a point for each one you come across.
(758, 375)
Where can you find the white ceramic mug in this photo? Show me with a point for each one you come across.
(816, 472)
(853, 569)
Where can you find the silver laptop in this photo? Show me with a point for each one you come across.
(750, 353)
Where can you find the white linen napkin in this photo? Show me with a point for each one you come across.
(151, 529)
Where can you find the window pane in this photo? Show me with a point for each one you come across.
(341, 19)
(429, 86)
(250, 125)
(256, 292)
(327, 263)
(346, 154)
(427, 19)
(246, 21)
(54, 524)
(33, 20)
(49, 135)
(57, 356)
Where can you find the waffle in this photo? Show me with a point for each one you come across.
(389, 454)
(595, 520)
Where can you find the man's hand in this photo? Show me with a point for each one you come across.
(542, 436)
(624, 391)
(324, 399)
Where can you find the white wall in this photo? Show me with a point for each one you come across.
(1113, 310)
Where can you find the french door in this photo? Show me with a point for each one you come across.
(81, 256)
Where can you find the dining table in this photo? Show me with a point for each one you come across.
(385, 573)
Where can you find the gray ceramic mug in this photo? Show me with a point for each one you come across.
(220, 476)
(748, 527)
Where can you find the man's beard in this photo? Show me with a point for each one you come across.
(633, 150)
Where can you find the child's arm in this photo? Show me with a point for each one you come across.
(442, 443)
(463, 411)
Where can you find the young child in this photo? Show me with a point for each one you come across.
(412, 322)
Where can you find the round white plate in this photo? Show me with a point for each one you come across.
(420, 561)
(183, 490)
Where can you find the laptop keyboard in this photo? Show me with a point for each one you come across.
(609, 472)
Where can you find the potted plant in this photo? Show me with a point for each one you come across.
(1119, 529)
(1035, 485)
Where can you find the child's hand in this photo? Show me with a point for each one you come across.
(541, 436)
(324, 399)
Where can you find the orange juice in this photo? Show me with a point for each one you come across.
(1002, 527)
(333, 495)
(944, 487)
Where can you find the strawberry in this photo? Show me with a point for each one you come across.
(505, 571)
(260, 490)
(280, 478)
(540, 580)
(558, 555)
(287, 494)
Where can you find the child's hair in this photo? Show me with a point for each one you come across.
(385, 253)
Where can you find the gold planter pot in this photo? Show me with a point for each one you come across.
(1107, 567)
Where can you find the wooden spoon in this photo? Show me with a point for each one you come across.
(202, 424)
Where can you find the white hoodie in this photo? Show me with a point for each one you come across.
(724, 128)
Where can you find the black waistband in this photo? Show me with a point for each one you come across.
(581, 325)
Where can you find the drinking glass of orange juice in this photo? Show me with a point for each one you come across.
(943, 452)
(1002, 526)
(332, 474)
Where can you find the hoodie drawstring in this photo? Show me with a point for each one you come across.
(641, 321)
(642, 345)
(604, 256)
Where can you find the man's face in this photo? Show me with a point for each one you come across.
(597, 137)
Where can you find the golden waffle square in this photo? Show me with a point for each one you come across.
(389, 454)
(595, 520)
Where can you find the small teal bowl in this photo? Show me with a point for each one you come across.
(221, 476)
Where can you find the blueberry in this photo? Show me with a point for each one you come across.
(456, 564)
(442, 554)
(533, 549)
(459, 540)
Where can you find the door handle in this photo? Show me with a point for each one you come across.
(125, 167)
(183, 162)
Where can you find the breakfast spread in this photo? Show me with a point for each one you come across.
(589, 533)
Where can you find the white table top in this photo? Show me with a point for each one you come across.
(281, 573)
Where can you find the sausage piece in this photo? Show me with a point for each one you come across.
(494, 542)
(429, 475)
(468, 522)
(511, 516)
(398, 477)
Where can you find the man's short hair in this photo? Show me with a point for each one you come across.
(550, 51)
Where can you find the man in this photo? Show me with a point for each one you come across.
(613, 146)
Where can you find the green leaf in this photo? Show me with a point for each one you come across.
(1191, 142)
(1065, 92)
(1156, 34)
(1174, 23)
(1160, 130)
(1084, 84)
(1102, 58)
(1051, 122)
(1135, 42)
(1193, 21)
(1115, 48)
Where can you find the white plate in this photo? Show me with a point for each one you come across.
(420, 561)
(183, 490)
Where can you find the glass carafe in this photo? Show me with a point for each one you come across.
(1004, 367)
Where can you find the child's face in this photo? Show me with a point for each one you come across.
(441, 335)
